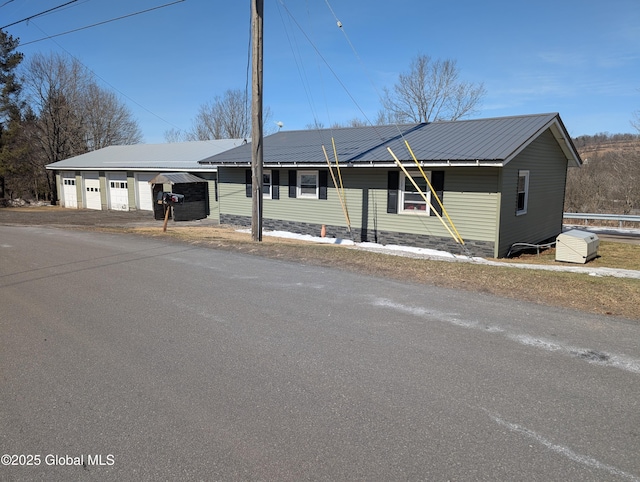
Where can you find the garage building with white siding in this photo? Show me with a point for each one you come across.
(117, 177)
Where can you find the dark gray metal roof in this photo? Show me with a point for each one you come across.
(492, 141)
(175, 178)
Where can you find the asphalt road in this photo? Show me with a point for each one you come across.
(127, 358)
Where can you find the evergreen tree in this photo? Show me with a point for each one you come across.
(10, 105)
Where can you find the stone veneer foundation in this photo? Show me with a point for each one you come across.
(476, 248)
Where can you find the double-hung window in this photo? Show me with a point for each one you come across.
(523, 192)
(411, 200)
(266, 184)
(307, 185)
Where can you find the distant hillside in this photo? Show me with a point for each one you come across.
(603, 143)
(609, 180)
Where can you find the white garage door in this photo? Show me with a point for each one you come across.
(92, 191)
(143, 191)
(118, 191)
(69, 193)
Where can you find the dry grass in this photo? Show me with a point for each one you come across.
(600, 295)
(610, 255)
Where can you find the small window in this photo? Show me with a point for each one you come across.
(411, 201)
(266, 184)
(523, 192)
(307, 184)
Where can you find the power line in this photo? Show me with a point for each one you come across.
(101, 23)
(37, 14)
(112, 86)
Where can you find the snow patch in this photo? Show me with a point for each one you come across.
(427, 253)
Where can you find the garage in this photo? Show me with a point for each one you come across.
(118, 191)
(144, 196)
(92, 191)
(69, 190)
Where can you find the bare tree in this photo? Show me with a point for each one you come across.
(55, 86)
(226, 117)
(609, 180)
(174, 135)
(72, 114)
(106, 120)
(431, 91)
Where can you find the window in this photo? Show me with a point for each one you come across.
(411, 201)
(307, 186)
(266, 184)
(118, 185)
(523, 192)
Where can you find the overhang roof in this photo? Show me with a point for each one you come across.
(488, 142)
(179, 156)
(175, 178)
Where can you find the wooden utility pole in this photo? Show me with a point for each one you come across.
(257, 7)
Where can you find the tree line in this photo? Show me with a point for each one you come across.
(52, 108)
(609, 179)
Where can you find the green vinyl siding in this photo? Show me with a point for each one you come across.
(547, 168)
(470, 198)
(131, 191)
(231, 192)
(103, 190)
(214, 205)
(79, 193)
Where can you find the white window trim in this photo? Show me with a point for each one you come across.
(525, 174)
(401, 192)
(299, 192)
(268, 195)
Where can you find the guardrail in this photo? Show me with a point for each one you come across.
(621, 218)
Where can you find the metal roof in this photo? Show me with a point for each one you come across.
(179, 156)
(493, 141)
(175, 178)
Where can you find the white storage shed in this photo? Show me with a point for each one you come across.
(576, 246)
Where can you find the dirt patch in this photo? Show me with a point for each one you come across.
(55, 215)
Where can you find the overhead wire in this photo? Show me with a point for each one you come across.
(297, 57)
(315, 48)
(103, 22)
(111, 85)
(31, 17)
(248, 69)
(305, 82)
(456, 236)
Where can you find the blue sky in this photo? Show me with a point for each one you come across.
(580, 58)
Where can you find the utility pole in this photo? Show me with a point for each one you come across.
(257, 8)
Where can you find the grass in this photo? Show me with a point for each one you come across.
(599, 295)
(610, 255)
